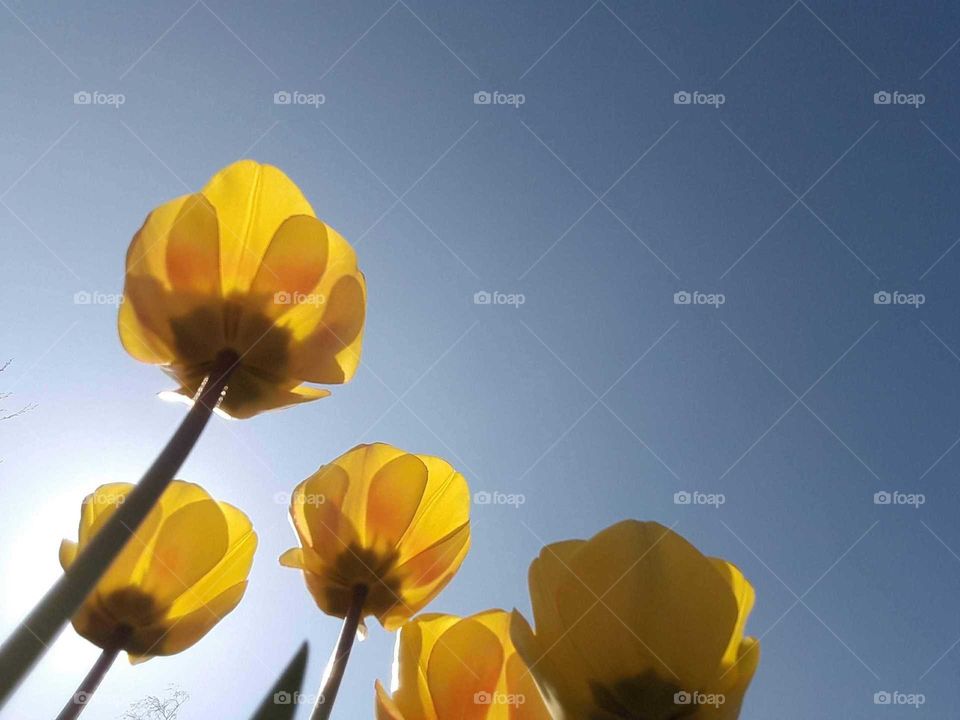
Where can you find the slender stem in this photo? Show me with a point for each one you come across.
(338, 661)
(78, 701)
(37, 631)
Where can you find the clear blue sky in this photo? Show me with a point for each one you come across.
(598, 198)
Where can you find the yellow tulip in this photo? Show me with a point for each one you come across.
(449, 668)
(637, 623)
(385, 520)
(183, 570)
(244, 270)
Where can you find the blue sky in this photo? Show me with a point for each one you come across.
(796, 197)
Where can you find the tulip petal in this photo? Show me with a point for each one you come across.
(252, 201)
(463, 669)
(98, 507)
(415, 644)
(317, 514)
(142, 343)
(386, 708)
(444, 509)
(560, 670)
(293, 558)
(331, 352)
(425, 575)
(249, 394)
(131, 563)
(744, 594)
(664, 607)
(193, 249)
(393, 499)
(147, 254)
(174, 635)
(567, 700)
(189, 544)
(295, 259)
(68, 553)
(232, 569)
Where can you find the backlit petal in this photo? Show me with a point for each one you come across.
(189, 544)
(252, 201)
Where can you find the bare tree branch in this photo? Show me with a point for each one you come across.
(4, 415)
(155, 708)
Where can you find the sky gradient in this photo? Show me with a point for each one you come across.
(794, 199)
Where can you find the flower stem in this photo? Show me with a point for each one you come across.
(78, 701)
(341, 654)
(37, 631)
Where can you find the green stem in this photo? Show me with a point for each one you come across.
(37, 631)
(78, 701)
(341, 654)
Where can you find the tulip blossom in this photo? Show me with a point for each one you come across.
(637, 623)
(243, 278)
(383, 521)
(447, 667)
(181, 572)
